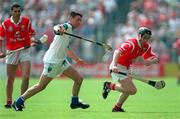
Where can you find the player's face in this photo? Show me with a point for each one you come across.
(76, 21)
(145, 38)
(16, 12)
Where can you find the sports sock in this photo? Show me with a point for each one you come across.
(20, 101)
(117, 106)
(111, 86)
(75, 100)
(9, 101)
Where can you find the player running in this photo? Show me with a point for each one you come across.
(18, 33)
(122, 59)
(55, 63)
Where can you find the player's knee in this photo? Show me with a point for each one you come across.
(132, 91)
(79, 80)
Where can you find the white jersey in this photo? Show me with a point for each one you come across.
(57, 50)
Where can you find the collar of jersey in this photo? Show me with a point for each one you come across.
(139, 43)
(71, 25)
(14, 22)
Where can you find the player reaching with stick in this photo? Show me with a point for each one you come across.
(55, 63)
(18, 32)
(176, 46)
(122, 59)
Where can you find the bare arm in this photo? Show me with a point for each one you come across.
(151, 61)
(114, 63)
(72, 55)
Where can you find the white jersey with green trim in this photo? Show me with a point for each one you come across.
(57, 50)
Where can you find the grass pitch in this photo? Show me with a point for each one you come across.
(53, 102)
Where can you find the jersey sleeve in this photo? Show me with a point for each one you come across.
(31, 31)
(149, 54)
(126, 47)
(67, 27)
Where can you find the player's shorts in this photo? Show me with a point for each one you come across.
(118, 77)
(52, 70)
(19, 56)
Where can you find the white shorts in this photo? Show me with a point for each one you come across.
(52, 70)
(19, 56)
(118, 77)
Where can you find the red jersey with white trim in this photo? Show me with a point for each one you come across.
(131, 49)
(16, 35)
(177, 46)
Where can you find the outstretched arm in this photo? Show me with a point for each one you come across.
(150, 61)
(73, 56)
(114, 63)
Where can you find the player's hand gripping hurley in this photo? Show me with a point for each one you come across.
(42, 40)
(106, 47)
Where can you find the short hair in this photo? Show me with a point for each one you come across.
(73, 14)
(15, 5)
(144, 30)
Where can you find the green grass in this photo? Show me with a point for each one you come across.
(53, 102)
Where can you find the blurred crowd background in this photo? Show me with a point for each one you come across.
(110, 21)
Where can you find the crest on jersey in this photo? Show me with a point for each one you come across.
(10, 29)
(17, 34)
(22, 28)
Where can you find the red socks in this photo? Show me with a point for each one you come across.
(117, 106)
(112, 86)
(8, 102)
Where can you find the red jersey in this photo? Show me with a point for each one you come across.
(177, 46)
(131, 49)
(16, 35)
